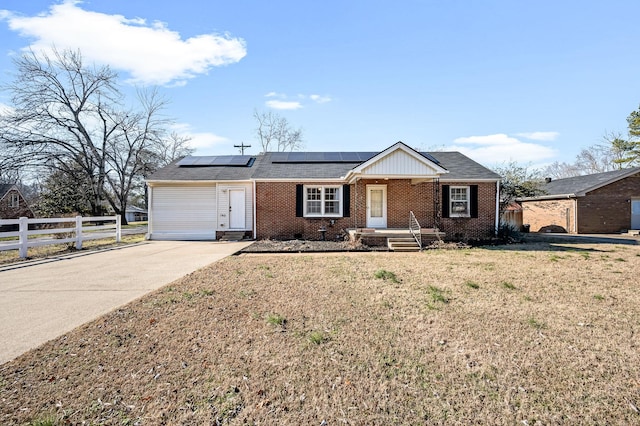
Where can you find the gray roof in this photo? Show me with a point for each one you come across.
(174, 172)
(272, 165)
(579, 185)
(4, 188)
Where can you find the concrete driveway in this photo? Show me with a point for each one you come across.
(43, 299)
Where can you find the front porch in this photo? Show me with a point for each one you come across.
(396, 239)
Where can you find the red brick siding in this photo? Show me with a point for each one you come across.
(605, 210)
(276, 210)
(482, 227)
(549, 215)
(402, 197)
(276, 214)
(7, 212)
(608, 209)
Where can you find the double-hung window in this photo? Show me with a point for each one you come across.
(14, 200)
(322, 201)
(459, 201)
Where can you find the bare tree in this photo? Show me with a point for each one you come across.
(62, 114)
(172, 147)
(68, 116)
(130, 152)
(275, 133)
(558, 170)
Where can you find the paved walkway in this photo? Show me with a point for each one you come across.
(43, 299)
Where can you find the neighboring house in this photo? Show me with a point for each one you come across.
(284, 195)
(135, 214)
(593, 204)
(12, 203)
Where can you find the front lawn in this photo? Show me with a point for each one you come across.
(528, 334)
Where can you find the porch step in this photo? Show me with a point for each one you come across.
(232, 236)
(633, 232)
(402, 244)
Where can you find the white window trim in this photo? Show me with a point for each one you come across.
(14, 201)
(451, 201)
(322, 201)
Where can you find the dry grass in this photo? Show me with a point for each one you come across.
(532, 334)
(13, 256)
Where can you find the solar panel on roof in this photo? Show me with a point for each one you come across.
(212, 161)
(350, 156)
(332, 156)
(430, 157)
(279, 157)
(296, 156)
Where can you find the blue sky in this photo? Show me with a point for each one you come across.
(505, 80)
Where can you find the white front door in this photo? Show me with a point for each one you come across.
(376, 206)
(236, 209)
(635, 214)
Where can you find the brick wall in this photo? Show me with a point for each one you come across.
(276, 214)
(605, 210)
(608, 209)
(276, 210)
(482, 227)
(549, 215)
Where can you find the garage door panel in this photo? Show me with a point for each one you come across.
(184, 210)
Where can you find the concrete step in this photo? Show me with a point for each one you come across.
(232, 236)
(402, 244)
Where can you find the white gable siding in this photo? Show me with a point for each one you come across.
(223, 204)
(183, 212)
(399, 163)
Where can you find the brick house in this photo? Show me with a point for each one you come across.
(313, 195)
(593, 204)
(12, 204)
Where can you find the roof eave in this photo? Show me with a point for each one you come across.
(549, 197)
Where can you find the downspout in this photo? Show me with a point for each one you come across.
(150, 213)
(575, 215)
(497, 207)
(254, 210)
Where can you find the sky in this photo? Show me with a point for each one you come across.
(498, 80)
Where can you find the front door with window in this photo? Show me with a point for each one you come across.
(635, 214)
(236, 209)
(376, 206)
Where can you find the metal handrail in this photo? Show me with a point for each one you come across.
(414, 228)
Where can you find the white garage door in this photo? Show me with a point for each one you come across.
(183, 213)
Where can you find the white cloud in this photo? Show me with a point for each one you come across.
(151, 53)
(288, 105)
(282, 103)
(199, 140)
(539, 136)
(320, 99)
(499, 148)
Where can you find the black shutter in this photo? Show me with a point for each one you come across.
(474, 200)
(299, 200)
(445, 200)
(346, 201)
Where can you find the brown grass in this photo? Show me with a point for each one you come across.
(13, 256)
(532, 334)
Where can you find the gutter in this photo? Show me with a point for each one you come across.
(497, 206)
(548, 197)
(255, 221)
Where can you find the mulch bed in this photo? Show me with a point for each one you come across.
(309, 246)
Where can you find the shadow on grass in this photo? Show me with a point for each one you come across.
(564, 243)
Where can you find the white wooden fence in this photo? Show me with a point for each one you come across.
(79, 232)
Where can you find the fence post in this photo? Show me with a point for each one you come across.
(118, 228)
(78, 232)
(24, 237)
